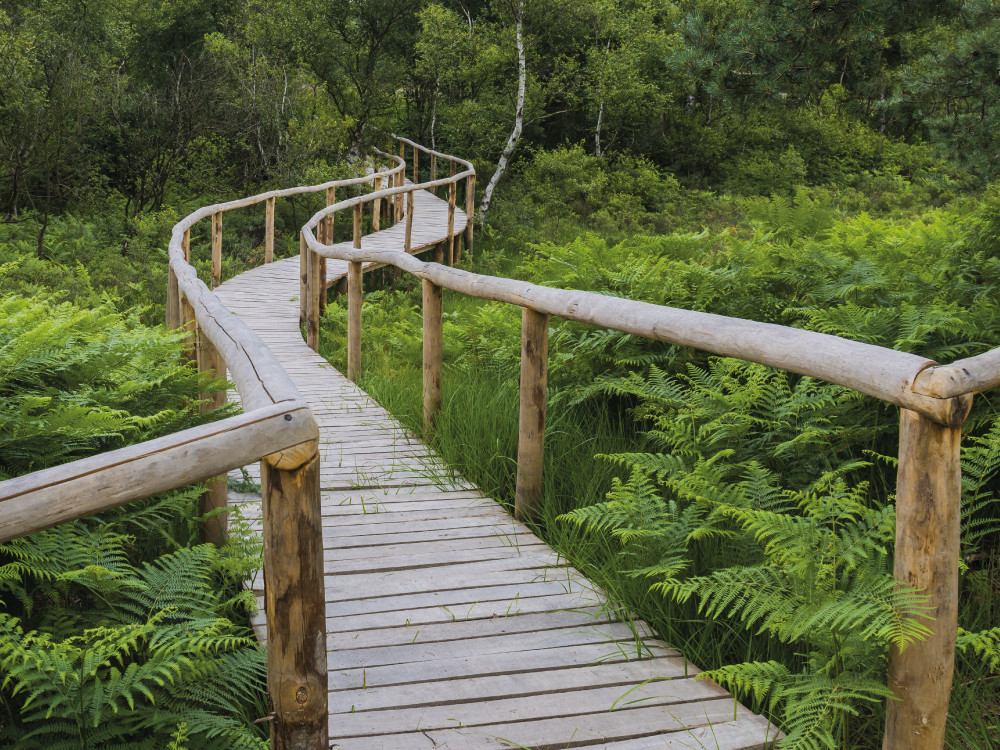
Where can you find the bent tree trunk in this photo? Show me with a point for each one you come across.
(515, 134)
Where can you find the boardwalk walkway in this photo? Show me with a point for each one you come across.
(449, 624)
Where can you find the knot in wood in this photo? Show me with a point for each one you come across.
(288, 417)
(301, 695)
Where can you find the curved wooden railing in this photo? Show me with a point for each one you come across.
(276, 428)
(934, 400)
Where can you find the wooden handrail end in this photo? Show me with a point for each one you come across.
(295, 456)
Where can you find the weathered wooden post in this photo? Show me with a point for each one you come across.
(303, 285)
(416, 166)
(211, 363)
(269, 230)
(188, 323)
(295, 599)
(470, 210)
(173, 299)
(434, 167)
(376, 205)
(408, 236)
(451, 223)
(331, 198)
(186, 244)
(216, 249)
(928, 519)
(354, 298)
(400, 181)
(531, 413)
(312, 293)
(433, 349)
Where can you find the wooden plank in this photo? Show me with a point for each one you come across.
(417, 562)
(677, 694)
(749, 733)
(411, 550)
(493, 687)
(557, 732)
(492, 663)
(534, 625)
(520, 643)
(344, 588)
(476, 610)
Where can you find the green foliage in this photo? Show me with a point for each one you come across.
(747, 462)
(77, 381)
(118, 629)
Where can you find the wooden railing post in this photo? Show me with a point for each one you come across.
(434, 167)
(928, 516)
(211, 363)
(416, 166)
(303, 284)
(433, 349)
(216, 249)
(331, 198)
(312, 293)
(188, 324)
(186, 244)
(400, 181)
(376, 205)
(269, 230)
(452, 189)
(173, 300)
(354, 299)
(470, 210)
(295, 605)
(408, 236)
(531, 413)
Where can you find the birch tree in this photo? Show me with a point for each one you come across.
(515, 134)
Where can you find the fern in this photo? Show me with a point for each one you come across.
(114, 630)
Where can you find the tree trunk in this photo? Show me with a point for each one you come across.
(515, 134)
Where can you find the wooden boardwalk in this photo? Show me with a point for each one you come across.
(450, 625)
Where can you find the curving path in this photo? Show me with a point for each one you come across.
(450, 625)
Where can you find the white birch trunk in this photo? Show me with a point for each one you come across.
(515, 134)
(597, 130)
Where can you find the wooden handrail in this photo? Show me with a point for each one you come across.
(886, 374)
(36, 501)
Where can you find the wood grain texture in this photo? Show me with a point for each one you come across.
(531, 413)
(433, 353)
(928, 521)
(296, 623)
(216, 249)
(269, 230)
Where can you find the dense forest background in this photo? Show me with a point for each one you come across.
(828, 164)
(123, 112)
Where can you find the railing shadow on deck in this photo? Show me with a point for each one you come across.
(934, 401)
